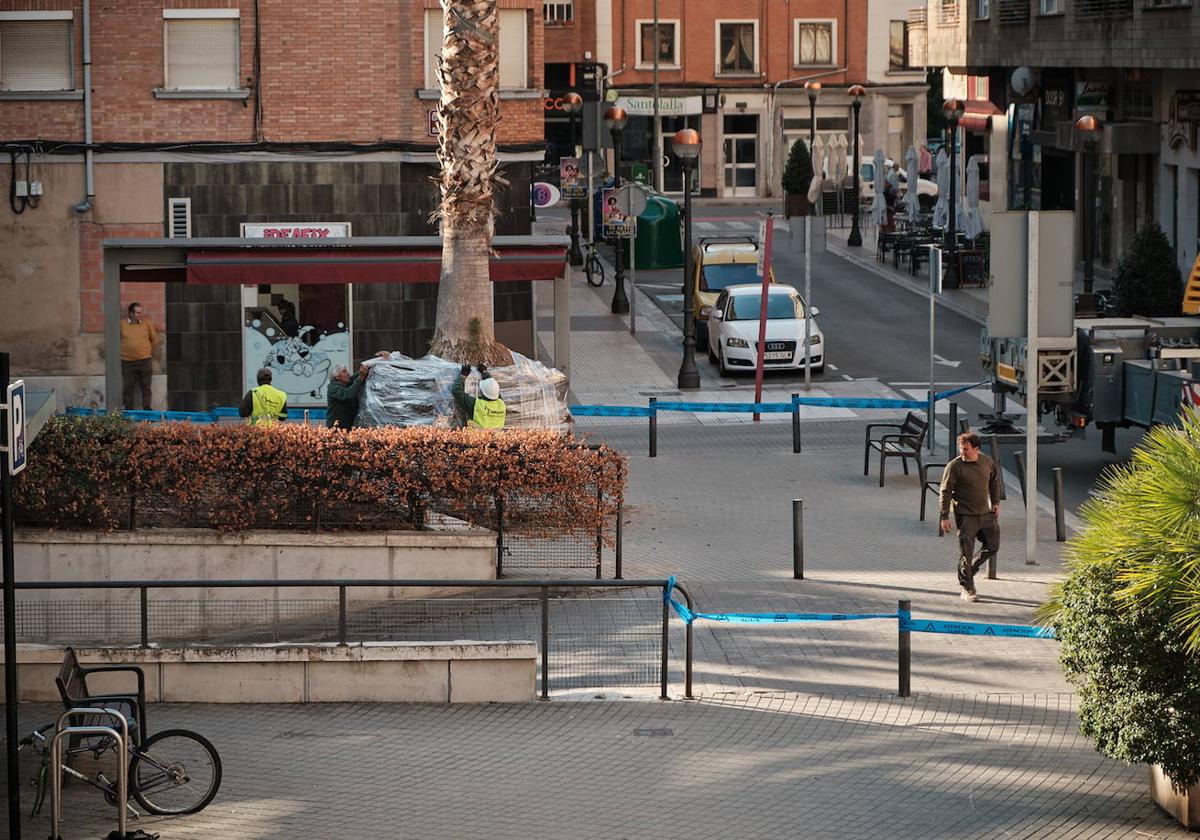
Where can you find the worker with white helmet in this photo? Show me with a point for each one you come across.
(485, 411)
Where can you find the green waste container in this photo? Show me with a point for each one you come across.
(658, 236)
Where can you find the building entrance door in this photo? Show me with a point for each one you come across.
(741, 155)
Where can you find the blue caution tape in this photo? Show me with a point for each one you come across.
(959, 628)
(610, 411)
(762, 618)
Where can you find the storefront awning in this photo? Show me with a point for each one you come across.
(976, 114)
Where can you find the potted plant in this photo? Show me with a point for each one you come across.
(1146, 280)
(1128, 615)
(797, 176)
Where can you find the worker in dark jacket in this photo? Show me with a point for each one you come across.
(342, 397)
(486, 411)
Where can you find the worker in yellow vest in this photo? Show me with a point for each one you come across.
(486, 411)
(263, 405)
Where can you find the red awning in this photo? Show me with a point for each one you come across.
(249, 267)
(976, 114)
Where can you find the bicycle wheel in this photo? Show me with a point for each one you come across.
(175, 772)
(595, 271)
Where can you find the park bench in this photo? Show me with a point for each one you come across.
(73, 689)
(904, 443)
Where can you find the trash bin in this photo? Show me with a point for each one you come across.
(658, 236)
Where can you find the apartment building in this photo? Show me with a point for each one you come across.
(233, 118)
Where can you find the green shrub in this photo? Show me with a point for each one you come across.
(1147, 280)
(798, 172)
(1128, 614)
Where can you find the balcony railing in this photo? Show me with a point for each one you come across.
(949, 14)
(1012, 11)
(558, 14)
(1103, 8)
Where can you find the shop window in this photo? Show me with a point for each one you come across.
(737, 45)
(898, 45)
(814, 41)
(667, 47)
(513, 56)
(1050, 7)
(983, 9)
(201, 49)
(35, 51)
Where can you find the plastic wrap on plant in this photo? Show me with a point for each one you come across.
(402, 391)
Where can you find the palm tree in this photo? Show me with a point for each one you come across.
(468, 113)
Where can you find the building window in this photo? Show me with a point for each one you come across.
(558, 13)
(898, 45)
(513, 56)
(983, 9)
(201, 49)
(814, 43)
(1050, 7)
(35, 51)
(737, 46)
(668, 43)
(1137, 100)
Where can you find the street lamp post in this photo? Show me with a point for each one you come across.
(686, 144)
(572, 103)
(615, 119)
(813, 89)
(1089, 130)
(952, 110)
(857, 92)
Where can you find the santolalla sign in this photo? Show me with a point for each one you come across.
(296, 230)
(668, 106)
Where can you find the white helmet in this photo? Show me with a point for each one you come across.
(490, 388)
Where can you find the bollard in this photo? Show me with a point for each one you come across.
(904, 650)
(798, 539)
(994, 443)
(964, 426)
(795, 424)
(545, 644)
(1060, 517)
(618, 559)
(951, 447)
(653, 428)
(1019, 457)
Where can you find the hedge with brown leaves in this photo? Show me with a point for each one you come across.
(107, 473)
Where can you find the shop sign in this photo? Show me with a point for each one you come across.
(1091, 96)
(1187, 106)
(295, 230)
(1183, 119)
(668, 106)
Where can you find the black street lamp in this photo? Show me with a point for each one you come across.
(952, 110)
(813, 89)
(686, 144)
(1089, 131)
(857, 92)
(615, 119)
(572, 103)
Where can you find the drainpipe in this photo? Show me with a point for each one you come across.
(772, 106)
(89, 175)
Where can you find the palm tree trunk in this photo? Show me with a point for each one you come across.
(468, 113)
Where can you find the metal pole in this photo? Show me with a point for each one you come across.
(341, 616)
(951, 427)
(653, 428)
(1089, 211)
(687, 645)
(930, 437)
(144, 597)
(807, 302)
(545, 643)
(1019, 457)
(1060, 517)
(1032, 377)
(620, 303)
(575, 255)
(689, 374)
(620, 541)
(590, 204)
(11, 694)
(795, 424)
(904, 650)
(994, 445)
(952, 277)
(798, 539)
(633, 275)
(666, 642)
(855, 239)
(657, 129)
(499, 536)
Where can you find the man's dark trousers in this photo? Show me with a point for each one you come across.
(135, 375)
(984, 528)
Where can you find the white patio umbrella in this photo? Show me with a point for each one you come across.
(818, 156)
(912, 161)
(973, 220)
(941, 210)
(879, 205)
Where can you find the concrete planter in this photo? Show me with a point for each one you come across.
(1184, 806)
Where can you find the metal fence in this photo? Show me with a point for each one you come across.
(590, 634)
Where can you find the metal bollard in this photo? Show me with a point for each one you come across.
(904, 650)
(545, 644)
(795, 424)
(994, 443)
(964, 425)
(1060, 517)
(620, 541)
(653, 428)
(950, 426)
(798, 539)
(1019, 457)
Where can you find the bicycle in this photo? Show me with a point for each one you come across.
(593, 267)
(172, 773)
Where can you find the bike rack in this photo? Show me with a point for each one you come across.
(122, 739)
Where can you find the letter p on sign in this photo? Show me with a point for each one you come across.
(14, 431)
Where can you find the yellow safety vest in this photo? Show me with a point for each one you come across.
(268, 401)
(489, 414)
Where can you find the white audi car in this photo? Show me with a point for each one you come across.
(733, 330)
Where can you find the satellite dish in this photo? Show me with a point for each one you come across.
(1022, 80)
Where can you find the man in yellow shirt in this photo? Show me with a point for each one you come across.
(137, 346)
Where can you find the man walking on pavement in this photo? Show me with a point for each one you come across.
(137, 346)
(971, 483)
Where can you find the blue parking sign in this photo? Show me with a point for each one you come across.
(15, 427)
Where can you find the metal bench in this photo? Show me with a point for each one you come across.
(73, 689)
(904, 443)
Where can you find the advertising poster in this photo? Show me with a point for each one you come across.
(569, 179)
(617, 224)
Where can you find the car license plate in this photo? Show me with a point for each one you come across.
(773, 355)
